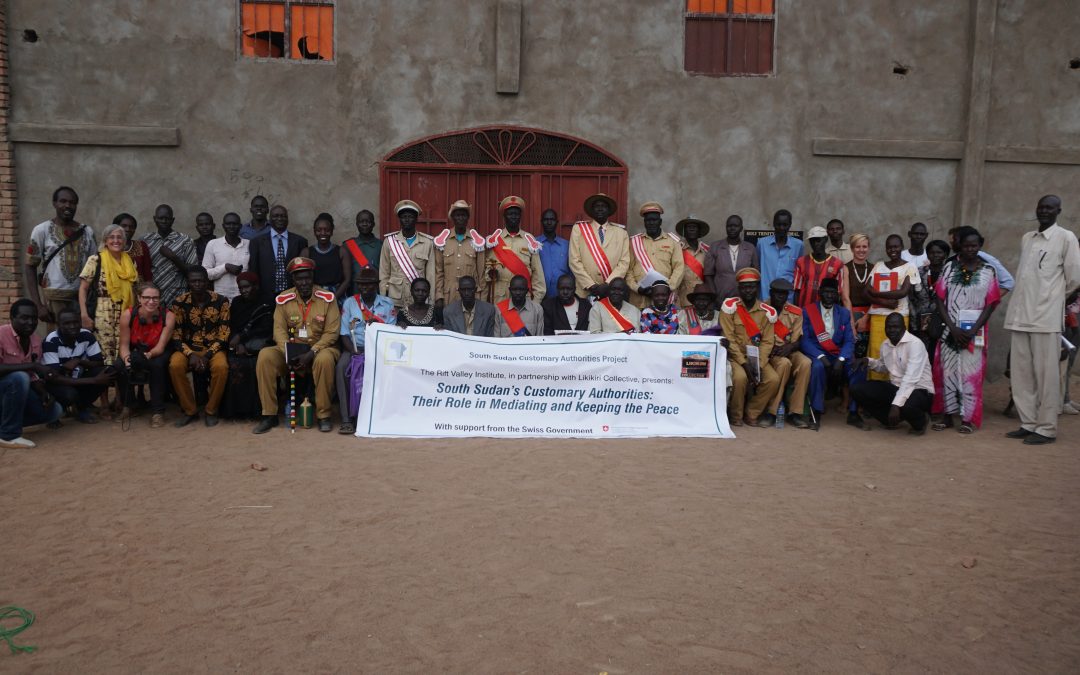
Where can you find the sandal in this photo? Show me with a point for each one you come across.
(966, 428)
(940, 426)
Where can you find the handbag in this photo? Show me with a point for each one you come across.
(92, 292)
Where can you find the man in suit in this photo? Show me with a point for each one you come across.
(560, 308)
(727, 256)
(468, 315)
(518, 315)
(270, 255)
(827, 340)
(599, 248)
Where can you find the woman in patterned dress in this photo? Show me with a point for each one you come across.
(113, 272)
(967, 284)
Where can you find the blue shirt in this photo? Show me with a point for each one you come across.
(1004, 279)
(555, 259)
(249, 232)
(352, 319)
(777, 262)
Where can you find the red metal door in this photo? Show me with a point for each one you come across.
(485, 165)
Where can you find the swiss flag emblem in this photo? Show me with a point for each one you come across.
(606, 427)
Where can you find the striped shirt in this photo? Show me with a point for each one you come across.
(54, 351)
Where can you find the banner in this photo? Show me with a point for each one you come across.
(423, 383)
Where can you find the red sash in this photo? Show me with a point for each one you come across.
(369, 316)
(595, 249)
(354, 249)
(624, 324)
(753, 331)
(692, 263)
(813, 312)
(782, 331)
(695, 324)
(510, 260)
(512, 318)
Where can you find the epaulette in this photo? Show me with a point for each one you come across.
(440, 239)
(674, 237)
(770, 313)
(282, 298)
(704, 246)
(639, 235)
(794, 309)
(534, 245)
(615, 224)
(493, 240)
(730, 305)
(478, 242)
(390, 234)
(326, 295)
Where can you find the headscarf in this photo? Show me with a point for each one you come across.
(119, 276)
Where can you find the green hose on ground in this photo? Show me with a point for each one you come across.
(7, 633)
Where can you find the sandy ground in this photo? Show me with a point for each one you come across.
(840, 551)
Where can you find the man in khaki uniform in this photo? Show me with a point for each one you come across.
(748, 323)
(599, 248)
(694, 251)
(653, 250)
(458, 253)
(788, 362)
(518, 316)
(304, 315)
(406, 255)
(512, 252)
(615, 314)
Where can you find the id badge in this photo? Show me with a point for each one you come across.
(302, 333)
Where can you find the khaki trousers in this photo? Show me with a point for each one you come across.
(796, 366)
(219, 373)
(57, 299)
(1036, 380)
(271, 365)
(765, 392)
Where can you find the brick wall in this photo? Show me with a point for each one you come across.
(10, 250)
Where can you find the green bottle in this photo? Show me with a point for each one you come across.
(305, 417)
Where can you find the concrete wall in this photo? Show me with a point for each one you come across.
(610, 71)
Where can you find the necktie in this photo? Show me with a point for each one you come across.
(279, 266)
(601, 234)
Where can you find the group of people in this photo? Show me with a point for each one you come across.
(218, 323)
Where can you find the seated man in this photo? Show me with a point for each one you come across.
(518, 315)
(467, 315)
(200, 345)
(749, 326)
(563, 310)
(786, 359)
(74, 355)
(660, 316)
(24, 400)
(701, 313)
(908, 393)
(306, 324)
(614, 314)
(827, 339)
(367, 307)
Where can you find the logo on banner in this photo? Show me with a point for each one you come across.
(695, 364)
(398, 353)
(606, 428)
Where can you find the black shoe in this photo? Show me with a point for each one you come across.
(796, 420)
(858, 422)
(325, 426)
(1038, 439)
(766, 420)
(1019, 433)
(267, 423)
(210, 420)
(185, 420)
(347, 428)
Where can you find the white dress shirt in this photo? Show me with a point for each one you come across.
(908, 366)
(220, 253)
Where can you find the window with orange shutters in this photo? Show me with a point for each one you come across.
(730, 37)
(301, 30)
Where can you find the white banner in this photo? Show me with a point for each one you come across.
(422, 383)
